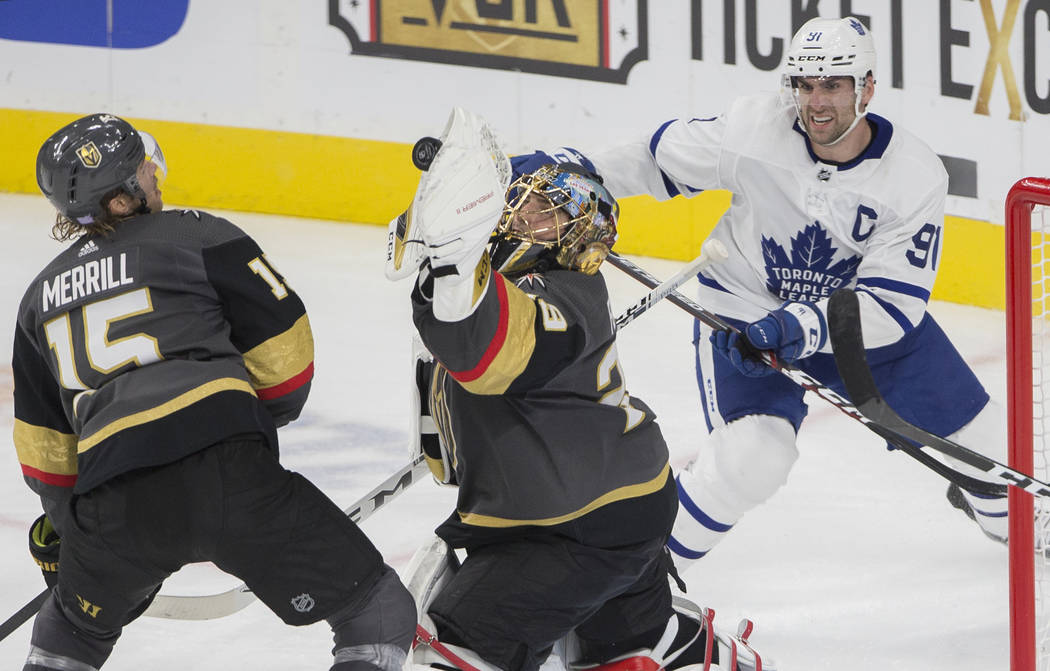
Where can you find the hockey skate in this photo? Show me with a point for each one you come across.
(956, 498)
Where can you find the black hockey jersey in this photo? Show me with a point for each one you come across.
(530, 401)
(143, 346)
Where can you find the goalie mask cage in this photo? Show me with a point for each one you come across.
(1028, 401)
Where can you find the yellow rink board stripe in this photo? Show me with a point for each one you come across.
(368, 181)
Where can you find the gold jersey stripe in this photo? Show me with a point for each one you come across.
(619, 494)
(45, 449)
(282, 356)
(164, 409)
(518, 344)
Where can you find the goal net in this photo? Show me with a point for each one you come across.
(1028, 400)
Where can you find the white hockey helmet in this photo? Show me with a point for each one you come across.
(831, 48)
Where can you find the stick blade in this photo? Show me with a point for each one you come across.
(203, 607)
(847, 344)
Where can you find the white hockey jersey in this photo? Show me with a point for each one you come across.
(799, 228)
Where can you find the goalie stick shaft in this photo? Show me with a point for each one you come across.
(847, 341)
(810, 383)
(211, 606)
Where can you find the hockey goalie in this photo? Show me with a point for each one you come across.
(565, 494)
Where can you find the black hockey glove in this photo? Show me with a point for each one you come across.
(43, 545)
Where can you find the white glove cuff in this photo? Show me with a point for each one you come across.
(813, 325)
(456, 296)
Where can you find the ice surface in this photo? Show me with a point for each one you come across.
(857, 563)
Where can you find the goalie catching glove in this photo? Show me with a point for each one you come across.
(457, 203)
(455, 210)
(44, 545)
(793, 331)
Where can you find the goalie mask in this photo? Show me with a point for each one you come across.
(831, 48)
(560, 216)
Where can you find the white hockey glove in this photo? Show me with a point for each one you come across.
(461, 196)
(424, 436)
(456, 208)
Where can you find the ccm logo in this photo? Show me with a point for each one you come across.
(811, 58)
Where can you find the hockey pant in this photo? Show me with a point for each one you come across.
(232, 504)
(753, 424)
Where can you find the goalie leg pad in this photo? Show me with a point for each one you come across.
(742, 465)
(689, 641)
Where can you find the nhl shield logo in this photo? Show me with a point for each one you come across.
(89, 155)
(303, 603)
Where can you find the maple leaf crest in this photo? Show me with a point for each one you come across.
(812, 253)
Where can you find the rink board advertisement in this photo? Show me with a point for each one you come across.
(310, 108)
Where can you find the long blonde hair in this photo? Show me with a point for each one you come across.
(66, 229)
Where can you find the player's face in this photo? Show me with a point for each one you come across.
(147, 176)
(827, 106)
(538, 219)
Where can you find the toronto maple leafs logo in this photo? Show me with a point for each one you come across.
(808, 274)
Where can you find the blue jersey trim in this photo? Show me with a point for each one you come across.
(697, 514)
(882, 131)
(896, 287)
(672, 190)
(892, 310)
(708, 282)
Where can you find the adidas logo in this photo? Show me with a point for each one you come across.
(89, 248)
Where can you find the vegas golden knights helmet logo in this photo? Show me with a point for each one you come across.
(89, 155)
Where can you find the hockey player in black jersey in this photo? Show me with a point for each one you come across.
(153, 361)
(566, 497)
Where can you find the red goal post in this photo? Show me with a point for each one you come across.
(1028, 408)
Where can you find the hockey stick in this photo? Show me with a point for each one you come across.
(847, 341)
(712, 251)
(810, 383)
(24, 613)
(211, 606)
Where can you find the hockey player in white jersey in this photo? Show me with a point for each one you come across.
(825, 195)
